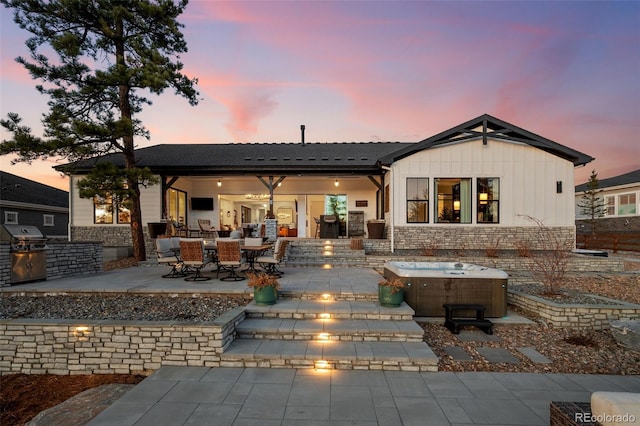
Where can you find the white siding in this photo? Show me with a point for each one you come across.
(82, 212)
(527, 175)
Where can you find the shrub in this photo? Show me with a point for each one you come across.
(396, 284)
(262, 280)
(549, 263)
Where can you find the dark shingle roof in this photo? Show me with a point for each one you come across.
(624, 179)
(283, 158)
(18, 189)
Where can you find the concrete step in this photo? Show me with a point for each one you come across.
(406, 356)
(335, 309)
(330, 329)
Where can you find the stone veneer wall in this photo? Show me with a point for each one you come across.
(64, 259)
(112, 236)
(5, 264)
(592, 317)
(112, 347)
(73, 258)
(476, 237)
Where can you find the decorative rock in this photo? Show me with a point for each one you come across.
(627, 333)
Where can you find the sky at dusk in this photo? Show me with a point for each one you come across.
(386, 71)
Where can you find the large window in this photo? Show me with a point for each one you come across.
(488, 199)
(177, 205)
(417, 200)
(626, 204)
(103, 209)
(453, 200)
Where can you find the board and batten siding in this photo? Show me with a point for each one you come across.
(527, 175)
(81, 209)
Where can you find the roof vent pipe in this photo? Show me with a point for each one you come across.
(302, 133)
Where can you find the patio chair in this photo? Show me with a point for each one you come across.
(206, 230)
(168, 255)
(229, 258)
(270, 263)
(193, 256)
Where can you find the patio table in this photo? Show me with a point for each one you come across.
(251, 254)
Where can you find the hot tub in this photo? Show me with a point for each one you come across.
(429, 285)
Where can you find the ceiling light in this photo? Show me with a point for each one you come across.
(219, 182)
(337, 183)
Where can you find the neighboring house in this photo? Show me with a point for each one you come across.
(621, 195)
(25, 202)
(468, 187)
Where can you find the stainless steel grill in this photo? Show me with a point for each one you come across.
(28, 253)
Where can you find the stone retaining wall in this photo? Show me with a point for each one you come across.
(64, 259)
(592, 317)
(112, 347)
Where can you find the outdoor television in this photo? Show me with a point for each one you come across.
(201, 203)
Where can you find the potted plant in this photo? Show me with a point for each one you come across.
(391, 292)
(265, 288)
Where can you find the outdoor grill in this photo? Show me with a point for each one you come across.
(28, 253)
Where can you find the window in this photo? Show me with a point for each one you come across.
(417, 200)
(610, 204)
(454, 200)
(176, 205)
(488, 198)
(124, 214)
(626, 204)
(103, 209)
(48, 219)
(11, 218)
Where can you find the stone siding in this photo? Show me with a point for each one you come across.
(112, 236)
(112, 347)
(476, 237)
(591, 317)
(5, 264)
(64, 259)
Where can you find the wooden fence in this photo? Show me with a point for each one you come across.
(626, 242)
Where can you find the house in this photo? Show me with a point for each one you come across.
(25, 202)
(621, 196)
(475, 184)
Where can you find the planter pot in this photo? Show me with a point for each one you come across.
(157, 228)
(375, 229)
(389, 299)
(265, 295)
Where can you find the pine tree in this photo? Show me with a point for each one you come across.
(111, 54)
(591, 204)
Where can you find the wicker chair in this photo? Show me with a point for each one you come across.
(229, 258)
(270, 263)
(193, 256)
(206, 230)
(167, 252)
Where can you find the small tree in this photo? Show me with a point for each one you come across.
(108, 51)
(591, 204)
